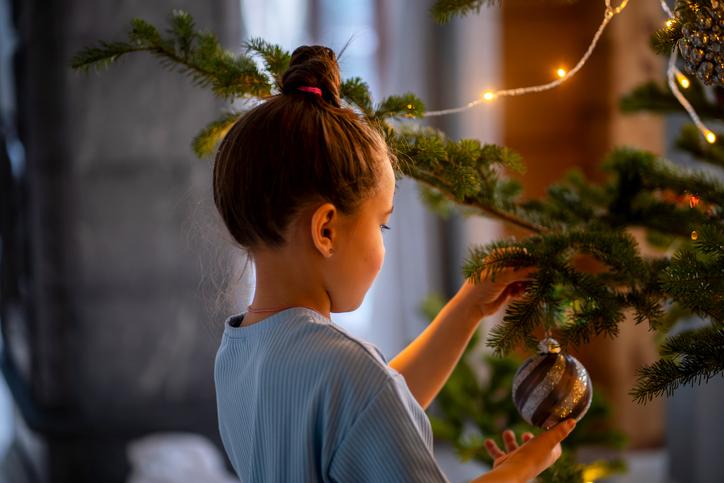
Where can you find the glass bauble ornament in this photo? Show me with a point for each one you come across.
(551, 387)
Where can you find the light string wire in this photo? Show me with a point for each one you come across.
(673, 75)
(609, 13)
(665, 8)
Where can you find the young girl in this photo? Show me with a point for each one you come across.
(305, 186)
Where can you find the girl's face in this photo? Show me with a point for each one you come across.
(360, 250)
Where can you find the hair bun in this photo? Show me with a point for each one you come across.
(313, 66)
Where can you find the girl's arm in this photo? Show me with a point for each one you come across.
(430, 359)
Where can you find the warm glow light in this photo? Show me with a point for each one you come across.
(488, 95)
(683, 81)
(594, 471)
(710, 137)
(561, 72)
(669, 23)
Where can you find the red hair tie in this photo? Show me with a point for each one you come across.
(313, 90)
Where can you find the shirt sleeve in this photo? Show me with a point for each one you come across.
(384, 445)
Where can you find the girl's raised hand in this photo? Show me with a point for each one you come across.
(525, 462)
(486, 296)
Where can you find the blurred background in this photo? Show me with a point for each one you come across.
(117, 274)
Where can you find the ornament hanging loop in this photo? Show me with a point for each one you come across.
(549, 346)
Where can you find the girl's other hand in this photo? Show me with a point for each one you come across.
(509, 441)
(525, 462)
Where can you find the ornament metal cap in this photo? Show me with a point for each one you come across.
(549, 345)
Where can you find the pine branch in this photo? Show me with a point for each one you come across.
(462, 171)
(641, 178)
(664, 39)
(599, 300)
(357, 92)
(444, 10)
(205, 142)
(484, 262)
(407, 106)
(276, 60)
(692, 357)
(695, 278)
(523, 316)
(690, 140)
(651, 97)
(711, 241)
(197, 55)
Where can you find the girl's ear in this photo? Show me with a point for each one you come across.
(324, 228)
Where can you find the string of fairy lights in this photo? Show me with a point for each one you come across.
(674, 76)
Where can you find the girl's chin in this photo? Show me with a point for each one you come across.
(346, 308)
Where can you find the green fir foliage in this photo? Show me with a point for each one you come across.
(444, 10)
(690, 357)
(195, 54)
(652, 97)
(204, 144)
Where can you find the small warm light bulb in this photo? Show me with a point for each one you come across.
(669, 23)
(488, 95)
(693, 201)
(409, 106)
(694, 235)
(683, 81)
(710, 137)
(561, 72)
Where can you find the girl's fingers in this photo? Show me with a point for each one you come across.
(527, 437)
(493, 449)
(524, 274)
(509, 439)
(517, 288)
(555, 435)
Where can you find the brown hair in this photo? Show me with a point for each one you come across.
(294, 149)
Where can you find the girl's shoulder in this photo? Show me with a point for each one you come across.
(352, 354)
(344, 360)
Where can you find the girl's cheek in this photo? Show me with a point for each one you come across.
(380, 257)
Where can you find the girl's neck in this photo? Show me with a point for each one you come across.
(283, 282)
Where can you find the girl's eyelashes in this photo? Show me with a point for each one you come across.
(384, 227)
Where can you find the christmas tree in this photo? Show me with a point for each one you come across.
(679, 208)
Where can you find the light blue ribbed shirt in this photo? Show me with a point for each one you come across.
(300, 399)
